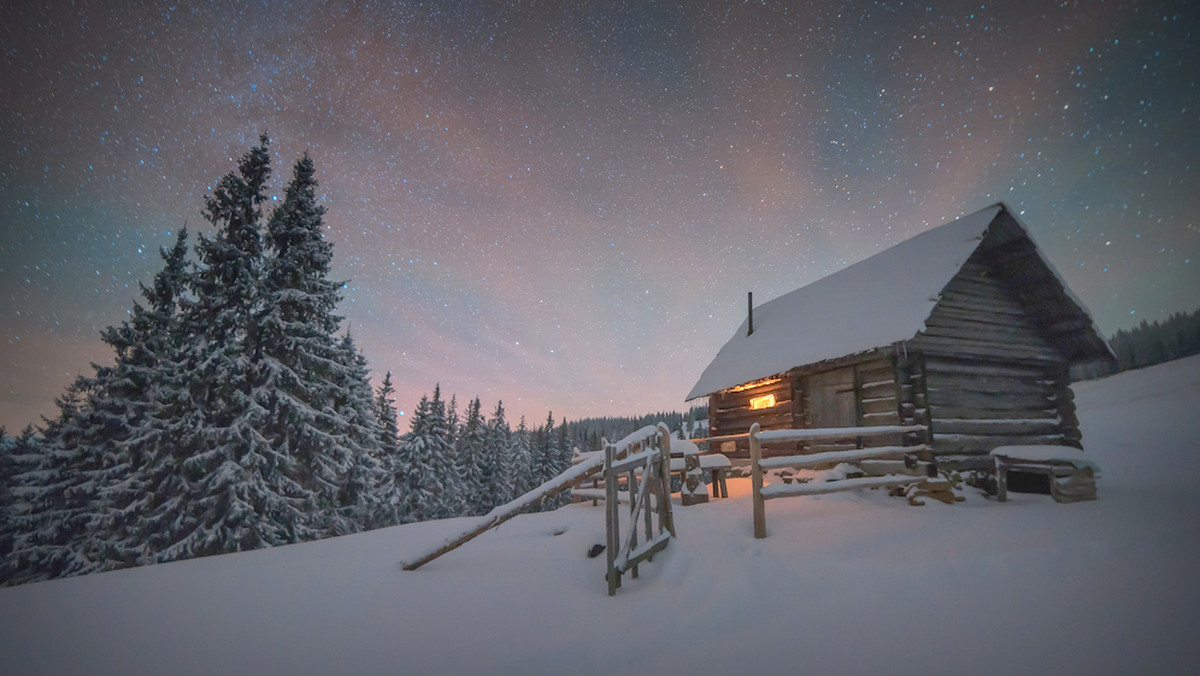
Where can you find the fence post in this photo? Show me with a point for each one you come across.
(756, 481)
(612, 516)
(665, 518)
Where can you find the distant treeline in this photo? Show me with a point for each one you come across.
(1149, 343)
(588, 432)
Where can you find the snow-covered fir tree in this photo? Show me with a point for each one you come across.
(524, 477)
(477, 467)
(385, 414)
(53, 535)
(367, 494)
(237, 487)
(314, 388)
(389, 449)
(421, 486)
(20, 459)
(452, 420)
(145, 346)
(499, 444)
(446, 463)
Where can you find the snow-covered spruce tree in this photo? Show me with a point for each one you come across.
(477, 468)
(145, 346)
(420, 486)
(7, 500)
(52, 535)
(452, 421)
(385, 413)
(314, 388)
(545, 457)
(20, 479)
(230, 487)
(499, 446)
(431, 487)
(559, 456)
(446, 461)
(368, 492)
(87, 501)
(389, 447)
(522, 459)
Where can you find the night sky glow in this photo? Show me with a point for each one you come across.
(563, 205)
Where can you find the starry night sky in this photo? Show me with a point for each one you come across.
(563, 205)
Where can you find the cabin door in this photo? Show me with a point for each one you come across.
(832, 401)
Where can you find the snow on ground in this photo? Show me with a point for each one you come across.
(844, 583)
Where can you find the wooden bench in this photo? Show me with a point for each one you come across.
(717, 467)
(1071, 478)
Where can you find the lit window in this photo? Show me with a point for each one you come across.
(766, 401)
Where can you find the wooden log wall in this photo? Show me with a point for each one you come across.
(911, 397)
(991, 377)
(730, 413)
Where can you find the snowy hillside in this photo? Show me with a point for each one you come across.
(843, 584)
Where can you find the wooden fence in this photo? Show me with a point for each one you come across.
(759, 465)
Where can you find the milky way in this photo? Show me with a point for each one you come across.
(563, 205)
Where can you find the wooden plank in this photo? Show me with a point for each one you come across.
(739, 422)
(885, 467)
(983, 444)
(792, 490)
(997, 427)
(833, 434)
(978, 298)
(994, 401)
(988, 385)
(943, 311)
(980, 321)
(644, 551)
(834, 457)
(976, 367)
(974, 349)
(945, 412)
(968, 303)
(1010, 339)
(878, 389)
(884, 418)
(880, 405)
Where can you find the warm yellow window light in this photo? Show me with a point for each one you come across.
(766, 401)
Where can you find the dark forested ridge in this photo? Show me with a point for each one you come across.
(1149, 343)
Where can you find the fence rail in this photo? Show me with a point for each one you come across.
(759, 465)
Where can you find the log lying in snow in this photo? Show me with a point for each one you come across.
(590, 465)
(499, 515)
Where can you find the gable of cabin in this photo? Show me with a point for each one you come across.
(993, 359)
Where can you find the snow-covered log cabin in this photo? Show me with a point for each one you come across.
(966, 329)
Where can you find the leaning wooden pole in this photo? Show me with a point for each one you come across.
(569, 479)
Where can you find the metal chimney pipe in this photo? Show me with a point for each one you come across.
(750, 311)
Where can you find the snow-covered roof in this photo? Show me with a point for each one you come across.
(873, 303)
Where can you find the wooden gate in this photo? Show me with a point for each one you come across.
(646, 453)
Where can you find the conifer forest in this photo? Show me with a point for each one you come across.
(237, 414)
